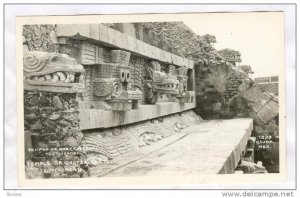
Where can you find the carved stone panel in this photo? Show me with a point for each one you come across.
(52, 72)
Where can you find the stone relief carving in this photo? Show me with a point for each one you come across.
(52, 72)
(159, 82)
(115, 80)
(113, 83)
(184, 96)
(173, 83)
(51, 116)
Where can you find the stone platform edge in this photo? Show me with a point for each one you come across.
(95, 118)
(113, 38)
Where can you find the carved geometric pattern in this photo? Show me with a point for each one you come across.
(103, 87)
(35, 61)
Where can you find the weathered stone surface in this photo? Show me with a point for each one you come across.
(140, 47)
(89, 120)
(51, 121)
(103, 33)
(269, 111)
(119, 40)
(52, 72)
(260, 102)
(253, 93)
(120, 57)
(94, 56)
(95, 31)
(40, 38)
(131, 43)
(73, 29)
(206, 153)
(114, 38)
(114, 142)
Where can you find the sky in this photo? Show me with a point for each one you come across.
(259, 37)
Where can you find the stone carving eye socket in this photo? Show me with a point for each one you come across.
(128, 76)
(54, 59)
(122, 75)
(117, 89)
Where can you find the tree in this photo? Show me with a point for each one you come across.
(247, 69)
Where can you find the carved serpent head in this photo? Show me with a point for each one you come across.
(52, 72)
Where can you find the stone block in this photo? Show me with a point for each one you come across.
(105, 70)
(84, 118)
(162, 56)
(124, 41)
(191, 64)
(119, 56)
(119, 39)
(157, 53)
(136, 46)
(88, 120)
(176, 60)
(185, 62)
(140, 47)
(147, 50)
(121, 106)
(260, 102)
(151, 51)
(99, 120)
(180, 61)
(94, 31)
(100, 55)
(93, 117)
(103, 33)
(253, 93)
(88, 53)
(131, 43)
(173, 59)
(269, 111)
(168, 56)
(73, 29)
(112, 36)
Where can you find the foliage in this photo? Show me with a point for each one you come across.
(182, 39)
(247, 69)
(228, 52)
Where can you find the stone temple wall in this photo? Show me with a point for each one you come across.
(51, 118)
(132, 74)
(222, 89)
(76, 101)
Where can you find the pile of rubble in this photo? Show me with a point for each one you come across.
(246, 167)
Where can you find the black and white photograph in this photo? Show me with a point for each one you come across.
(151, 99)
(146, 99)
